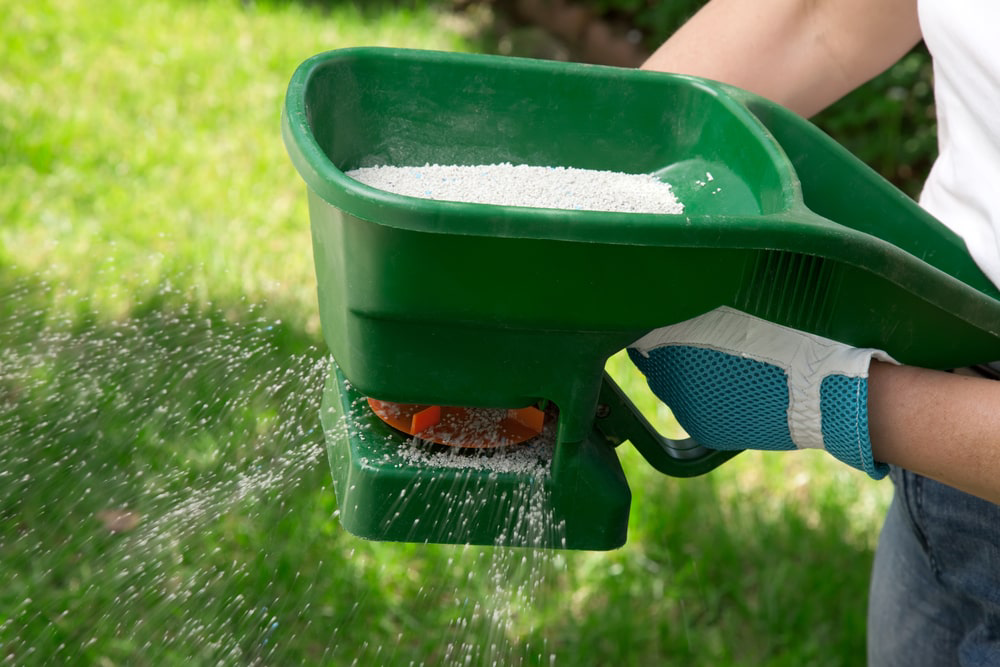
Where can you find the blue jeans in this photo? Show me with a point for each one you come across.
(935, 589)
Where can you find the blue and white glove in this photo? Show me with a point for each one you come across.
(735, 381)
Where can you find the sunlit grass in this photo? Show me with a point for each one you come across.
(140, 141)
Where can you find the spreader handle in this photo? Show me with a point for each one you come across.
(618, 420)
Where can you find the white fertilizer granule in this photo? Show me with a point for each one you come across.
(523, 185)
(524, 460)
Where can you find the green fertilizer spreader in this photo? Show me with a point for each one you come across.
(456, 304)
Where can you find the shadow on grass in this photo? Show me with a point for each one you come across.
(706, 582)
(165, 494)
(166, 500)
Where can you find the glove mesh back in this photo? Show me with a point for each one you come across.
(844, 412)
(755, 394)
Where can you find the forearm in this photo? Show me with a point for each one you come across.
(803, 54)
(941, 425)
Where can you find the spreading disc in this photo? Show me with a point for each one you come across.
(462, 427)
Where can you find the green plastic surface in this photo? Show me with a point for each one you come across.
(466, 304)
(577, 498)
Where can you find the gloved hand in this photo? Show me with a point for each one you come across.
(735, 381)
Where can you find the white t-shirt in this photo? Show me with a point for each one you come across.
(963, 188)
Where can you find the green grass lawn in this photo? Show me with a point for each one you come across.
(164, 496)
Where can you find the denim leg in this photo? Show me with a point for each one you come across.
(935, 589)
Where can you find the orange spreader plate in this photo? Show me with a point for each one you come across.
(462, 427)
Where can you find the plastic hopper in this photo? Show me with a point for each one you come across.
(457, 304)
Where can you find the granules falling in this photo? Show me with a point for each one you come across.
(532, 458)
(506, 184)
(523, 460)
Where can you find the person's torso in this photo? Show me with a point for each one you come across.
(963, 189)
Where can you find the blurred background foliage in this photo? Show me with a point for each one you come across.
(889, 122)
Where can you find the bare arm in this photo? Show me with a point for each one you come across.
(803, 54)
(941, 425)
